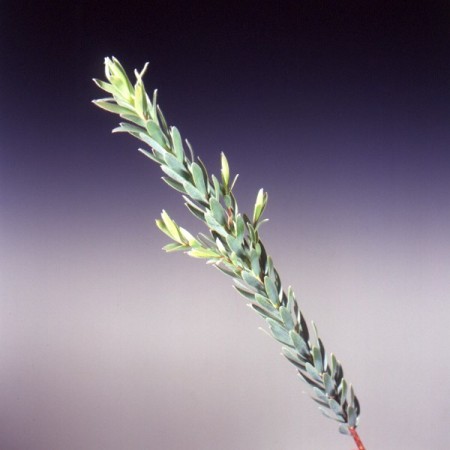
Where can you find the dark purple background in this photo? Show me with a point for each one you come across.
(340, 110)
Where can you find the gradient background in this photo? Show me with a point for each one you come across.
(340, 111)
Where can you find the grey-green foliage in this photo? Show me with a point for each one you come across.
(233, 245)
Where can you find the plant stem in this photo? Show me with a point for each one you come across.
(234, 245)
(357, 439)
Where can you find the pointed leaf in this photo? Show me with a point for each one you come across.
(329, 384)
(174, 175)
(173, 247)
(193, 192)
(251, 280)
(199, 180)
(218, 211)
(271, 290)
(177, 144)
(176, 165)
(174, 184)
(244, 293)
(112, 107)
(287, 318)
(225, 170)
(300, 345)
(279, 332)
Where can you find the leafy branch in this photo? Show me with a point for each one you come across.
(233, 244)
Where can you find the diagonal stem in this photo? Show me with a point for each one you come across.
(357, 439)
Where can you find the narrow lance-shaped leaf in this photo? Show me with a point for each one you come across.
(225, 171)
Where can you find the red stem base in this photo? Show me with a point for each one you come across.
(357, 439)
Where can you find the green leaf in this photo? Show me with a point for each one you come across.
(321, 396)
(191, 150)
(154, 110)
(187, 237)
(335, 407)
(352, 395)
(118, 70)
(303, 327)
(193, 192)
(173, 247)
(122, 89)
(225, 170)
(339, 374)
(293, 358)
(133, 118)
(300, 345)
(196, 212)
(234, 244)
(226, 270)
(177, 144)
(259, 206)
(156, 134)
(194, 209)
(352, 416)
(271, 290)
(333, 364)
(312, 372)
(324, 355)
(234, 181)
(214, 225)
(240, 226)
(150, 155)
(217, 188)
(174, 184)
(111, 107)
(176, 165)
(174, 175)
(330, 416)
(317, 357)
(198, 177)
(251, 280)
(152, 143)
(261, 222)
(254, 261)
(308, 380)
(207, 241)
(291, 299)
(265, 303)
(244, 292)
(105, 86)
(171, 226)
(287, 317)
(262, 312)
(218, 211)
(279, 332)
(328, 382)
(253, 234)
(117, 76)
(342, 390)
(140, 100)
(160, 224)
(221, 247)
(125, 127)
(343, 429)
(269, 267)
(202, 253)
(162, 120)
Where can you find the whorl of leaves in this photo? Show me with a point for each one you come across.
(233, 245)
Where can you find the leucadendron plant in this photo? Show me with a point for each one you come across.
(233, 245)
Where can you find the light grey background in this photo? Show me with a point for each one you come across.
(109, 343)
